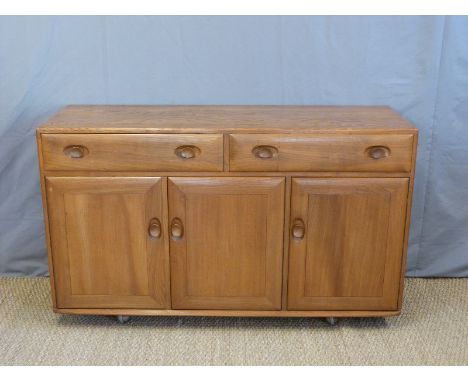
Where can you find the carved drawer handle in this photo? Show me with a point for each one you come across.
(75, 151)
(265, 152)
(298, 229)
(187, 152)
(154, 229)
(378, 152)
(177, 229)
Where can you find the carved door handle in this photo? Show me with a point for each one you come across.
(378, 152)
(187, 152)
(298, 229)
(75, 151)
(264, 152)
(154, 228)
(177, 229)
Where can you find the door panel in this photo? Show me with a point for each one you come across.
(230, 253)
(350, 255)
(103, 253)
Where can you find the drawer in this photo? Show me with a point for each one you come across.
(137, 152)
(291, 152)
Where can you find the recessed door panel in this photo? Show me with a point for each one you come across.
(108, 242)
(227, 242)
(349, 256)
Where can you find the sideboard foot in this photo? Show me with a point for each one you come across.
(123, 319)
(332, 321)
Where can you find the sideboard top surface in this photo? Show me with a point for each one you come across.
(224, 119)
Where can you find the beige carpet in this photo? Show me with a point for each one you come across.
(433, 330)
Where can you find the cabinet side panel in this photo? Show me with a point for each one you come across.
(46, 217)
(409, 205)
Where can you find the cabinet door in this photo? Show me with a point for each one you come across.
(108, 242)
(346, 243)
(226, 242)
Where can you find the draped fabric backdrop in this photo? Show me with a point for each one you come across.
(417, 65)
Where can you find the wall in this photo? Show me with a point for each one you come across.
(417, 65)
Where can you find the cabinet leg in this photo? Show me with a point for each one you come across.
(332, 321)
(123, 319)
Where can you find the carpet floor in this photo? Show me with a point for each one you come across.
(432, 330)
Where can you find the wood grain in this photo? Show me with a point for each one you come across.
(124, 152)
(233, 313)
(287, 217)
(231, 252)
(224, 119)
(409, 204)
(101, 250)
(226, 152)
(46, 219)
(314, 174)
(350, 255)
(302, 152)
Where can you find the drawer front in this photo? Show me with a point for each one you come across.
(292, 152)
(137, 152)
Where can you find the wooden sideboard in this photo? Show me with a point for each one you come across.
(227, 210)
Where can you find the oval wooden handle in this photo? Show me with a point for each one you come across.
(154, 229)
(378, 152)
(298, 229)
(177, 229)
(187, 152)
(75, 151)
(264, 152)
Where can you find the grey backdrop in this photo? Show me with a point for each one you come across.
(417, 65)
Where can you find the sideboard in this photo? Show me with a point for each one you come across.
(299, 211)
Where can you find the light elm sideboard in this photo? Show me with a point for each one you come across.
(227, 210)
